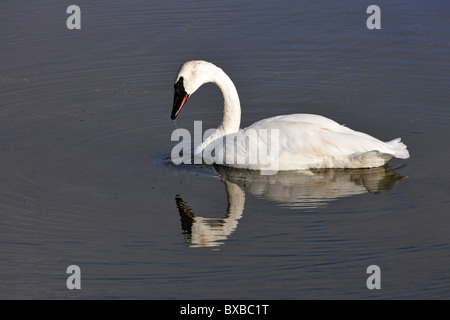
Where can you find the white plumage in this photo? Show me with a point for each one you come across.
(304, 141)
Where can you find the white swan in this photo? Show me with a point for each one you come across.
(304, 141)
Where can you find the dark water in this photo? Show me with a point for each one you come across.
(86, 176)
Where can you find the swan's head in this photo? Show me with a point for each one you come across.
(191, 76)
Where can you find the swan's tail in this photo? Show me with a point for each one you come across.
(399, 148)
(377, 158)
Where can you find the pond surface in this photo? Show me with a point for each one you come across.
(85, 142)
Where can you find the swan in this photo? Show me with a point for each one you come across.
(300, 141)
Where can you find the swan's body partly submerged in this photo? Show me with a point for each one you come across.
(303, 141)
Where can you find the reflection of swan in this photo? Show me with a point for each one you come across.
(311, 188)
(208, 232)
(293, 189)
(299, 141)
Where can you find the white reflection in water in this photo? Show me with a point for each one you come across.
(210, 232)
(292, 189)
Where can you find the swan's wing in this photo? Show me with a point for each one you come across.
(304, 137)
(322, 143)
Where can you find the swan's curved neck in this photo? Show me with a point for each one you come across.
(231, 106)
